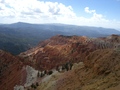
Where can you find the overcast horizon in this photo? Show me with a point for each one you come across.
(103, 13)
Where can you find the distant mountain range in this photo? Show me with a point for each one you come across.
(19, 37)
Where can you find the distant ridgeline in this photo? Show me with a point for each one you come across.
(19, 37)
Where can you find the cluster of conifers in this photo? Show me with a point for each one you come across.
(65, 67)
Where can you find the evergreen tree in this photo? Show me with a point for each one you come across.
(37, 84)
(63, 67)
(66, 66)
(38, 74)
(45, 72)
(71, 66)
(41, 75)
(50, 72)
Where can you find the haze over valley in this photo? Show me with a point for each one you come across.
(19, 37)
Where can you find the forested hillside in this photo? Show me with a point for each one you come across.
(19, 37)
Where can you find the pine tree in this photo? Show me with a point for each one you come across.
(38, 75)
(50, 72)
(37, 84)
(71, 66)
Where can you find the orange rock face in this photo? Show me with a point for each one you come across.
(57, 51)
(11, 71)
(60, 49)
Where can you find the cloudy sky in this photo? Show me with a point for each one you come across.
(101, 13)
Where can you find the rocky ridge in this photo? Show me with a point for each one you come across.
(61, 49)
(94, 54)
(100, 58)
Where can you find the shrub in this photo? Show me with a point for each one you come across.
(38, 74)
(50, 72)
(37, 84)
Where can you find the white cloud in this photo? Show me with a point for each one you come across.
(89, 11)
(34, 8)
(36, 11)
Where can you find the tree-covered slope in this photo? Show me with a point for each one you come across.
(19, 37)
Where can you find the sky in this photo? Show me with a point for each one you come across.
(99, 13)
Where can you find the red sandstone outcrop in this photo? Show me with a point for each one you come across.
(99, 71)
(100, 57)
(11, 71)
(61, 49)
